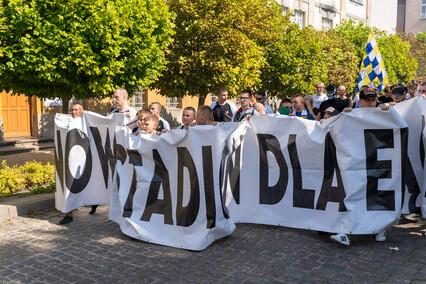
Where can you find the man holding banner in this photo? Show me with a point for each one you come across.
(76, 111)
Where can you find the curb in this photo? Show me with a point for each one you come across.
(15, 206)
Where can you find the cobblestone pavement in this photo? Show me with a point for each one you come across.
(92, 249)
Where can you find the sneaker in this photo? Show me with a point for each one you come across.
(381, 236)
(67, 219)
(341, 239)
(94, 207)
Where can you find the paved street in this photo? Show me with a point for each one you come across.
(92, 249)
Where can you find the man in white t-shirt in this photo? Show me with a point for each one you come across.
(223, 110)
(319, 97)
(120, 101)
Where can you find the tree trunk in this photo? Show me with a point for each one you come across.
(65, 102)
(201, 100)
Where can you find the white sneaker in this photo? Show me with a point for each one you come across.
(381, 236)
(341, 239)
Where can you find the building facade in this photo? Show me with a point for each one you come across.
(412, 16)
(326, 14)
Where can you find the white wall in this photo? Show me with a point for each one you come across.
(383, 14)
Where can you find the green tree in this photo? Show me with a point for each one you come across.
(217, 43)
(399, 63)
(341, 60)
(295, 62)
(81, 48)
(300, 58)
(417, 49)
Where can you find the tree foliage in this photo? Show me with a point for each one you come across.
(417, 50)
(85, 48)
(294, 62)
(218, 43)
(399, 63)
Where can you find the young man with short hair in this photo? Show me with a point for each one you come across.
(261, 98)
(223, 110)
(188, 117)
(319, 97)
(150, 124)
(142, 113)
(155, 109)
(286, 106)
(246, 110)
(119, 98)
(299, 108)
(398, 95)
(205, 116)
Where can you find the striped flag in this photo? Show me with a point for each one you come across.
(373, 73)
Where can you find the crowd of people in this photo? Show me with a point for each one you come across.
(327, 102)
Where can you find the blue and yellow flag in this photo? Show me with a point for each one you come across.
(373, 73)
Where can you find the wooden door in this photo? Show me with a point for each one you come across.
(16, 115)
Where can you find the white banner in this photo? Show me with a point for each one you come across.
(168, 189)
(83, 160)
(413, 112)
(344, 176)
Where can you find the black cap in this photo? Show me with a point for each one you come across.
(398, 91)
(367, 93)
(330, 88)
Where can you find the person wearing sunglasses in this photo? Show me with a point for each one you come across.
(261, 98)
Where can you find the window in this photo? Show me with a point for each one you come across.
(285, 10)
(423, 14)
(299, 18)
(357, 1)
(171, 102)
(326, 24)
(136, 101)
(213, 98)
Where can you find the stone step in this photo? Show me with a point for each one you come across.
(23, 148)
(22, 145)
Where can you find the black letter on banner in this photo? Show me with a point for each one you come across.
(186, 216)
(209, 187)
(233, 174)
(136, 160)
(77, 137)
(328, 192)
(104, 156)
(302, 198)
(153, 204)
(405, 163)
(120, 155)
(376, 139)
(271, 194)
(59, 159)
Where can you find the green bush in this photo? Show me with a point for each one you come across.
(37, 174)
(11, 179)
(30, 176)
